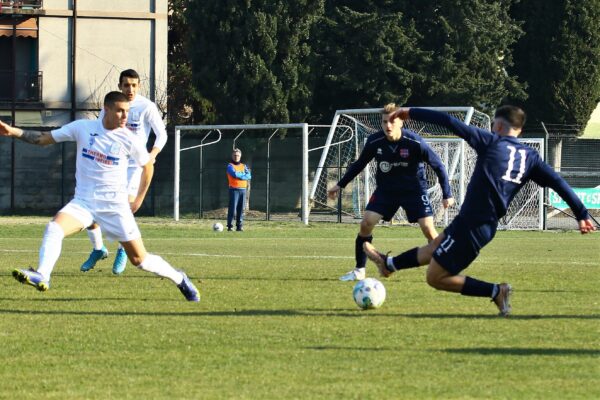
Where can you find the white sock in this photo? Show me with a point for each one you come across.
(157, 265)
(50, 249)
(95, 236)
(389, 261)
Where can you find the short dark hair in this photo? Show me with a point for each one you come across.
(115, 97)
(129, 73)
(514, 115)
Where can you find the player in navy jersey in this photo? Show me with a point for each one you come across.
(503, 166)
(400, 155)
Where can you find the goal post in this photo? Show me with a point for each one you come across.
(457, 156)
(220, 140)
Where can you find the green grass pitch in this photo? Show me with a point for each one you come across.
(275, 323)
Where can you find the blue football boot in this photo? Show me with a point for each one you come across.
(188, 289)
(95, 256)
(31, 277)
(120, 261)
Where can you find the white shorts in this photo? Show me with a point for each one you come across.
(133, 180)
(115, 219)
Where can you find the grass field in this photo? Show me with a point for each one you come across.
(275, 323)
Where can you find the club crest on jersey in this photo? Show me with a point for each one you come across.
(379, 152)
(133, 122)
(93, 137)
(385, 166)
(404, 153)
(115, 148)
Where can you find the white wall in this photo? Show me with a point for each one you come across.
(105, 47)
(115, 5)
(107, 5)
(54, 53)
(57, 4)
(592, 129)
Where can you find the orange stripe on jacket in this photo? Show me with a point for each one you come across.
(235, 182)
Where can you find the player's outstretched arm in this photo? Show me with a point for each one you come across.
(586, 226)
(402, 113)
(33, 137)
(333, 191)
(449, 202)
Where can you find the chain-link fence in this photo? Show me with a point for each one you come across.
(578, 162)
(39, 180)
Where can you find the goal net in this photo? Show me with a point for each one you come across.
(277, 155)
(347, 135)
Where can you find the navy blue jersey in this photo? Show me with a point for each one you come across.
(504, 165)
(399, 164)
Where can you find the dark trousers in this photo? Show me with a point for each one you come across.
(236, 207)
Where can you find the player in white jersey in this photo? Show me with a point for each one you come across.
(143, 118)
(104, 149)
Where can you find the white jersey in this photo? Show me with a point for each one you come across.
(144, 117)
(102, 159)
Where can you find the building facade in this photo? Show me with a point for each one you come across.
(58, 58)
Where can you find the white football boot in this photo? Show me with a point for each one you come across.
(357, 274)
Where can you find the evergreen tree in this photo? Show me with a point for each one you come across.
(366, 56)
(185, 103)
(252, 57)
(469, 46)
(559, 58)
(440, 52)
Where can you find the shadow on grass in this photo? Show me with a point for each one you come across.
(343, 313)
(556, 291)
(512, 317)
(525, 351)
(78, 299)
(241, 313)
(106, 273)
(352, 348)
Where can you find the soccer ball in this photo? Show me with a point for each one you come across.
(369, 293)
(218, 227)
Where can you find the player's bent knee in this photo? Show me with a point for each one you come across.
(366, 227)
(430, 234)
(136, 260)
(434, 281)
(54, 229)
(436, 275)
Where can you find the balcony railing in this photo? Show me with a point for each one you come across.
(28, 86)
(21, 5)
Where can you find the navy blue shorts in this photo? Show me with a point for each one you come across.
(462, 243)
(387, 202)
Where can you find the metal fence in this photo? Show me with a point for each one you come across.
(578, 162)
(41, 180)
(27, 86)
(24, 4)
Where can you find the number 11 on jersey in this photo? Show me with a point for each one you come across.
(511, 163)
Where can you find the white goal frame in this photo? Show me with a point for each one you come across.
(459, 166)
(217, 128)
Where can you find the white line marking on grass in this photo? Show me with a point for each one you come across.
(146, 239)
(199, 239)
(195, 254)
(479, 261)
